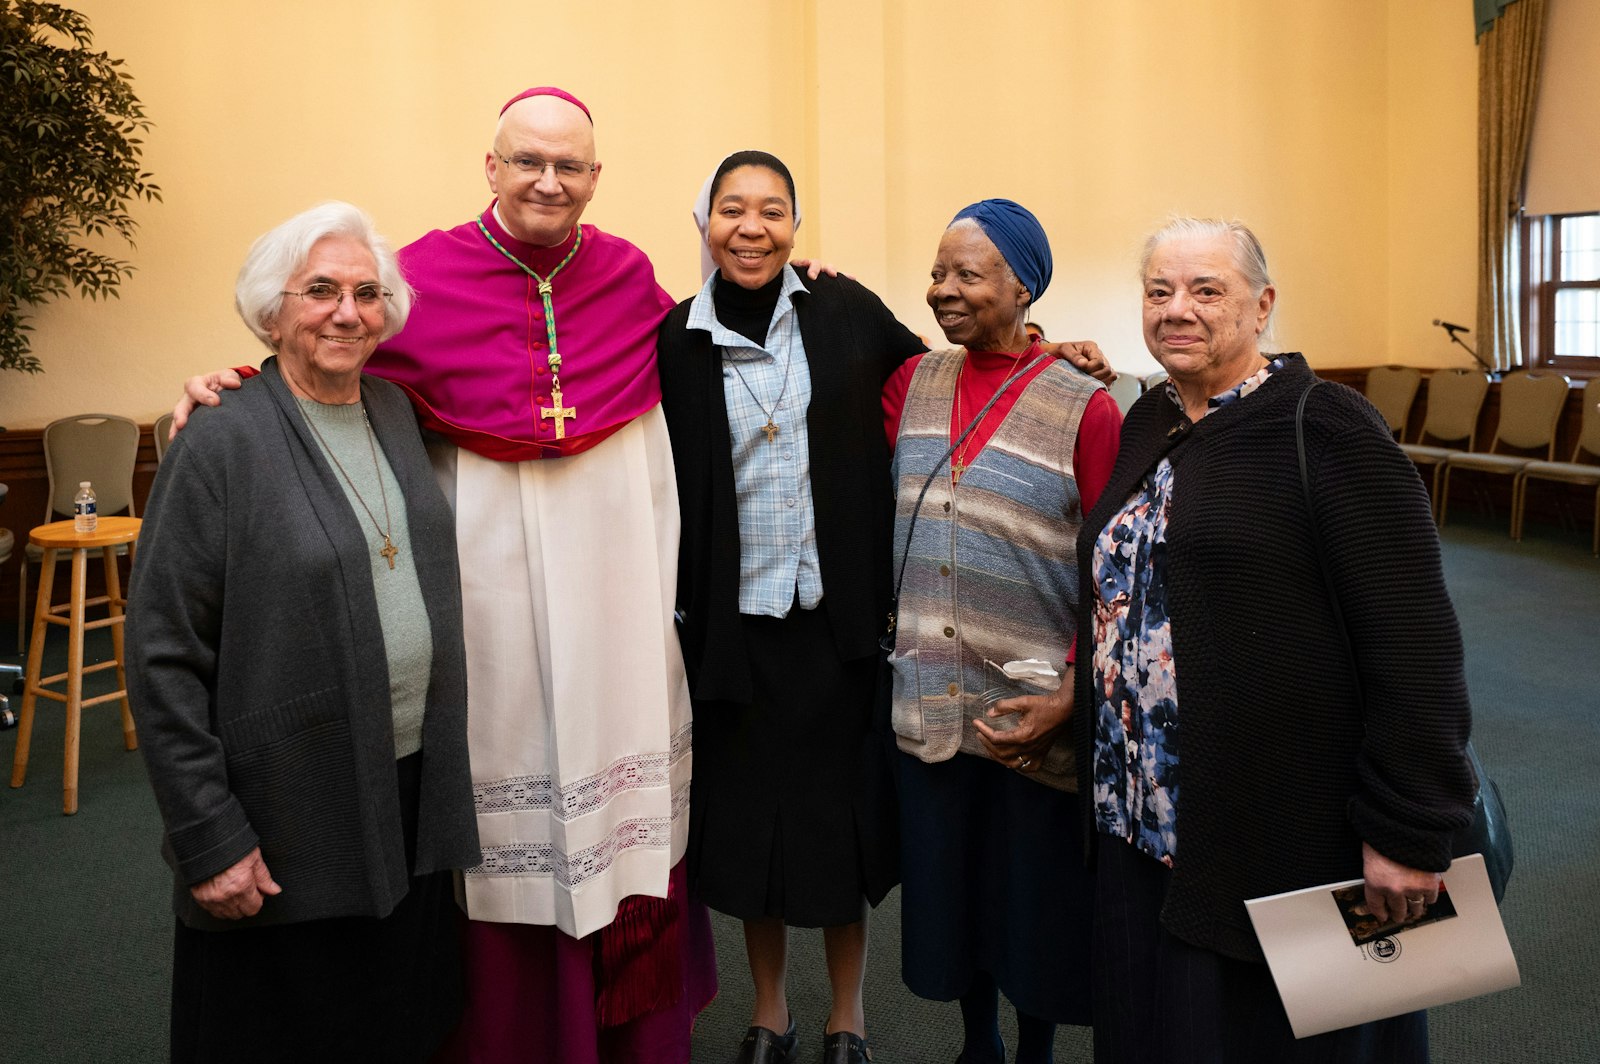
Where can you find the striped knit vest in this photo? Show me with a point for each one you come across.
(991, 573)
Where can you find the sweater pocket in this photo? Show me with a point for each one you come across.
(292, 767)
(905, 716)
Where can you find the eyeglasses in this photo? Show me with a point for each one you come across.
(365, 295)
(566, 169)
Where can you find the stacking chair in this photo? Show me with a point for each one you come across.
(99, 448)
(1155, 380)
(1392, 389)
(162, 428)
(1126, 390)
(1530, 408)
(1573, 472)
(1454, 398)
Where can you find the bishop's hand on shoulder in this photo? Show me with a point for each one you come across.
(204, 390)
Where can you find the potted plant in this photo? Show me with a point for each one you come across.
(69, 166)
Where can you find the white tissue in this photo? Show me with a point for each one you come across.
(1032, 669)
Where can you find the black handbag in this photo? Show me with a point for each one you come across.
(1490, 832)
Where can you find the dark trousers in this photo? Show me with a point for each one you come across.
(1160, 1000)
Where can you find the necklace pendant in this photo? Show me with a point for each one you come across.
(389, 551)
(558, 412)
(770, 429)
(956, 471)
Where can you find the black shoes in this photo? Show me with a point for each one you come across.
(842, 1047)
(764, 1046)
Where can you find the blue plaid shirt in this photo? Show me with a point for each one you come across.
(778, 561)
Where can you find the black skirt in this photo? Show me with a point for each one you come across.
(994, 883)
(352, 988)
(792, 814)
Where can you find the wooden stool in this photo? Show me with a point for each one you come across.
(58, 536)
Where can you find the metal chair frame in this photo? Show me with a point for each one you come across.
(1570, 472)
(1530, 411)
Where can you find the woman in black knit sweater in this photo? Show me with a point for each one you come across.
(1226, 747)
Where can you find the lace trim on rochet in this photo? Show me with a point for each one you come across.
(522, 794)
(573, 870)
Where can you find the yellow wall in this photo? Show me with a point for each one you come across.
(1343, 132)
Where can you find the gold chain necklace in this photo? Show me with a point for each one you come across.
(389, 550)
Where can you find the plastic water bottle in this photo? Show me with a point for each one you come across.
(85, 515)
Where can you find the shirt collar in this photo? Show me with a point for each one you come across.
(703, 311)
(1239, 391)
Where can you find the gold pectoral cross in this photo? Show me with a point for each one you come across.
(955, 474)
(389, 551)
(770, 429)
(558, 412)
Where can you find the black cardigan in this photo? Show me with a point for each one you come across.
(852, 345)
(1282, 776)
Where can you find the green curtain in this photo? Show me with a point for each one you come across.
(1484, 12)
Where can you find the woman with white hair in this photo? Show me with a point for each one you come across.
(1237, 739)
(296, 669)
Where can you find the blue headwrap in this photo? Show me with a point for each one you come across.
(1020, 238)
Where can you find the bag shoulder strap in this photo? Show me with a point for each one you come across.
(1317, 543)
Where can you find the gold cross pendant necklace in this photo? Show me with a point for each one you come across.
(559, 412)
(388, 550)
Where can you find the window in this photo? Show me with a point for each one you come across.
(1562, 295)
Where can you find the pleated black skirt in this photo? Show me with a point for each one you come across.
(792, 812)
(352, 988)
(994, 883)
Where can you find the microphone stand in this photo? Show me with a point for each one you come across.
(1476, 357)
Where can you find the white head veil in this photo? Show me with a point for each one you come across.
(702, 218)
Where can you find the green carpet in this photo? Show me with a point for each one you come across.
(85, 924)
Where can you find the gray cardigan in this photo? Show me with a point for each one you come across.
(256, 667)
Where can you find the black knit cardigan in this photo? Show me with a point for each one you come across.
(853, 343)
(1282, 773)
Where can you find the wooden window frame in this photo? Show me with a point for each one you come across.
(1541, 280)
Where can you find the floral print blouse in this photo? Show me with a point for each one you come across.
(1136, 735)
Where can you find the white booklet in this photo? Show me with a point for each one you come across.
(1335, 967)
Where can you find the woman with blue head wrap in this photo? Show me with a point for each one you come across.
(1005, 447)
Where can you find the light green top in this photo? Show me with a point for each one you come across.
(407, 637)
